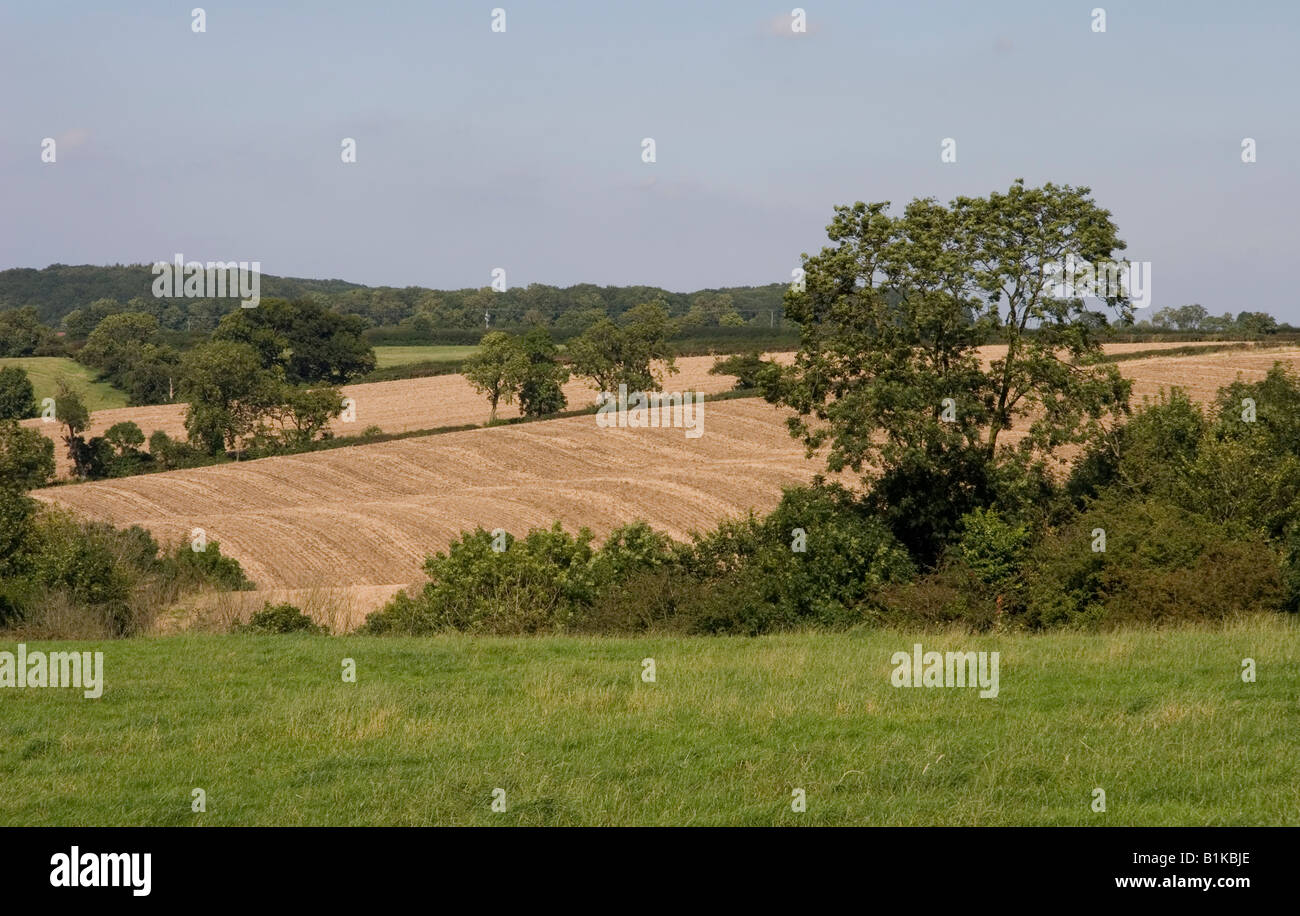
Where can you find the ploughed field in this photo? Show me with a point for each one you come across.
(348, 527)
(430, 403)
(395, 407)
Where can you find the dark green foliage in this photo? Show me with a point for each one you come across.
(745, 577)
(168, 453)
(278, 618)
(991, 547)
(188, 568)
(17, 397)
(1276, 423)
(21, 333)
(535, 584)
(627, 352)
(303, 339)
(1161, 564)
(751, 370)
(107, 581)
(763, 581)
(542, 380)
(26, 457)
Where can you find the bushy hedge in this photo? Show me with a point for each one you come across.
(752, 576)
(1160, 564)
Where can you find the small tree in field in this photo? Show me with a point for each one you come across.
(71, 413)
(228, 391)
(624, 354)
(888, 376)
(497, 369)
(541, 388)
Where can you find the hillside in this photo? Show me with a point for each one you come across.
(45, 373)
(60, 288)
(363, 518)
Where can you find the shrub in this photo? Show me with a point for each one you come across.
(952, 594)
(1161, 563)
(1276, 426)
(188, 568)
(278, 618)
(99, 581)
(752, 372)
(1147, 453)
(535, 584)
(17, 398)
(170, 453)
(992, 548)
(761, 580)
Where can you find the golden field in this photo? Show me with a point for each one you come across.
(348, 527)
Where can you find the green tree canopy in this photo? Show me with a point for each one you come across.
(227, 388)
(497, 369)
(541, 385)
(309, 342)
(17, 397)
(625, 353)
(888, 376)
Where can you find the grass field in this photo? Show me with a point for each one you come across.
(46, 371)
(265, 725)
(401, 356)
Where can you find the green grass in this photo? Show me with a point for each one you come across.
(387, 357)
(46, 371)
(265, 725)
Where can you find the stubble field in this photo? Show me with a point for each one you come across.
(347, 528)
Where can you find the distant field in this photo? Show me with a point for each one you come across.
(400, 356)
(729, 729)
(409, 404)
(46, 371)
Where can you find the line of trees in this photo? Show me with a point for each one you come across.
(633, 351)
(1196, 318)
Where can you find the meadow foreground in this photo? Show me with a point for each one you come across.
(1162, 721)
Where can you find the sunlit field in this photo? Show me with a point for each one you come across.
(1162, 721)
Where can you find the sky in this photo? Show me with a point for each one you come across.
(522, 149)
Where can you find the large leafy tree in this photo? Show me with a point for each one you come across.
(21, 332)
(118, 342)
(541, 387)
(300, 415)
(889, 377)
(497, 369)
(634, 352)
(228, 391)
(126, 349)
(308, 341)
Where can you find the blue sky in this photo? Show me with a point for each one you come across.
(523, 150)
